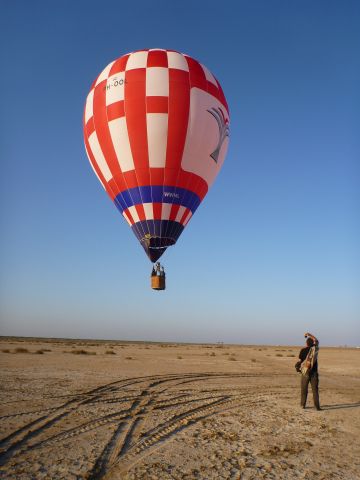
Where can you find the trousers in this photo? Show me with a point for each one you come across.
(312, 378)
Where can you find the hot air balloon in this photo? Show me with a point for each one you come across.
(156, 131)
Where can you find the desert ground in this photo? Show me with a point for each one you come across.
(74, 409)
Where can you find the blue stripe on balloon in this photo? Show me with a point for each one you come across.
(157, 194)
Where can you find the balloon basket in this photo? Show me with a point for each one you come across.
(157, 282)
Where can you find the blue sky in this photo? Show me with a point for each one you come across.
(274, 248)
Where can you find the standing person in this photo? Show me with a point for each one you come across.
(309, 370)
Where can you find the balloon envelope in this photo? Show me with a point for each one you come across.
(156, 130)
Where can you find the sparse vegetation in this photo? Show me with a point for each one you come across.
(110, 352)
(212, 354)
(83, 352)
(232, 358)
(39, 352)
(179, 357)
(279, 355)
(21, 350)
(253, 360)
(129, 358)
(6, 350)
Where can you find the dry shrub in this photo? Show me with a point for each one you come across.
(129, 358)
(179, 357)
(21, 350)
(110, 352)
(39, 352)
(212, 354)
(253, 360)
(291, 355)
(83, 352)
(279, 355)
(232, 358)
(6, 350)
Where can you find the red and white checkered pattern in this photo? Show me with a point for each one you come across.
(146, 123)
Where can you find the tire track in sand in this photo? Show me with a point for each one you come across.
(159, 407)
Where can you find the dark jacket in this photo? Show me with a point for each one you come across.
(302, 356)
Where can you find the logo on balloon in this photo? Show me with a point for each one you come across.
(223, 130)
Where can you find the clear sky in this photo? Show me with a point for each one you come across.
(273, 250)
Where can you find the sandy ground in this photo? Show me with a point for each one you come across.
(152, 411)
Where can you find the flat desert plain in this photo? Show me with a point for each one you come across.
(74, 409)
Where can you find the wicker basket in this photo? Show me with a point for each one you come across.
(157, 282)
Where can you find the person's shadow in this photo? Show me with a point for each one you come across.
(340, 405)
